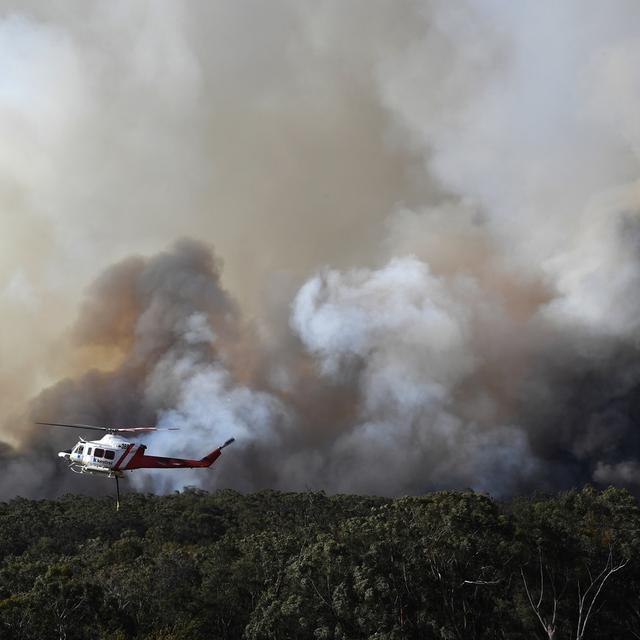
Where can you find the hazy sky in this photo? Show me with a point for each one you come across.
(407, 238)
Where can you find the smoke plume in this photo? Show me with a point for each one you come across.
(428, 214)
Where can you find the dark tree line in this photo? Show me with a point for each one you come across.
(279, 566)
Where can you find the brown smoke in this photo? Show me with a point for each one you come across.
(427, 212)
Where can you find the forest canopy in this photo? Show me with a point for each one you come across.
(270, 565)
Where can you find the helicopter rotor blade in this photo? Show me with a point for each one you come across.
(142, 429)
(94, 427)
(74, 426)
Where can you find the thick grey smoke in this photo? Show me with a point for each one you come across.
(428, 213)
(158, 315)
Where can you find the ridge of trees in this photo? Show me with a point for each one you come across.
(453, 565)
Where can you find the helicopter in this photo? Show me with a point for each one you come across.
(113, 454)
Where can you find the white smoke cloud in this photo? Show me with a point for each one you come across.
(451, 188)
(400, 325)
(406, 337)
(626, 473)
(209, 408)
(516, 120)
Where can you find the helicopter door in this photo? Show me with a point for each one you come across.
(77, 453)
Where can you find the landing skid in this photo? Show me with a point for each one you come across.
(95, 471)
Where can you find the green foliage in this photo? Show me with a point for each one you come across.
(272, 566)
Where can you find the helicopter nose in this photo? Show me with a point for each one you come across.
(64, 454)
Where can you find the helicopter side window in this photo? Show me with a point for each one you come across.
(80, 450)
(89, 451)
(109, 455)
(99, 453)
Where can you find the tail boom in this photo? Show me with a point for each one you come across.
(142, 461)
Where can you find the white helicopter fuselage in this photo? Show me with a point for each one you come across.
(112, 454)
(107, 456)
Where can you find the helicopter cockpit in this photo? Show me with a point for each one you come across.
(91, 456)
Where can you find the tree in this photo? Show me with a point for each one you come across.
(573, 547)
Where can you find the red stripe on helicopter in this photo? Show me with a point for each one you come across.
(132, 460)
(116, 466)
